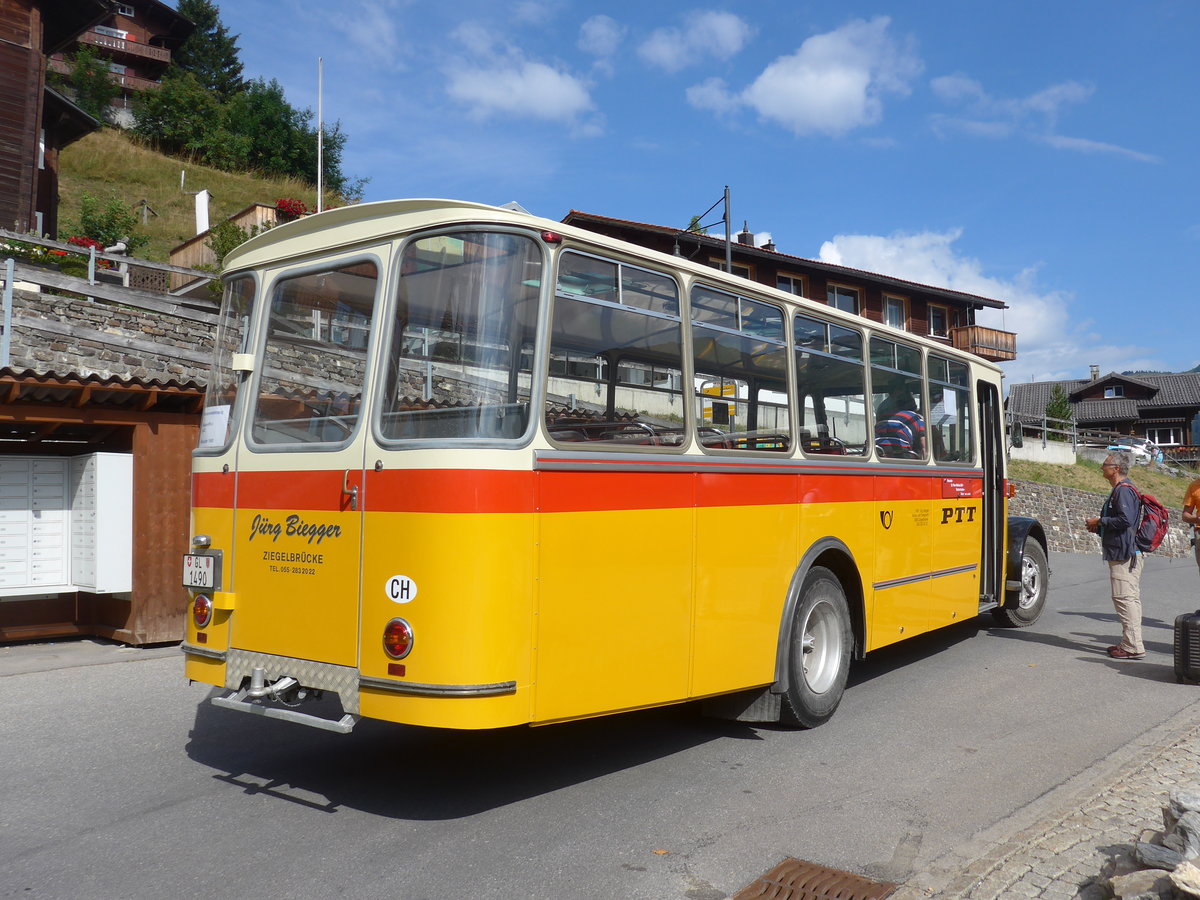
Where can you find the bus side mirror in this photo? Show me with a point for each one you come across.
(1018, 440)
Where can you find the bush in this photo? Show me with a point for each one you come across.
(109, 222)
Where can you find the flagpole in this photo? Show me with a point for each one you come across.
(320, 136)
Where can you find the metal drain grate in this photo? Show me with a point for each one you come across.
(795, 879)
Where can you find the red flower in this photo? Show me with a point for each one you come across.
(290, 208)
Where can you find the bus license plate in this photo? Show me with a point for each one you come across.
(198, 570)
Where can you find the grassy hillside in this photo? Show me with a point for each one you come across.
(107, 161)
(1086, 476)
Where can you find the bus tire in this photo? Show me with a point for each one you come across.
(1031, 599)
(819, 650)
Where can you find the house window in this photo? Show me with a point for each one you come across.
(939, 319)
(1165, 437)
(738, 269)
(843, 298)
(1116, 390)
(893, 312)
(124, 9)
(793, 284)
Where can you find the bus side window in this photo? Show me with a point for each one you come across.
(897, 389)
(740, 356)
(615, 372)
(951, 413)
(831, 384)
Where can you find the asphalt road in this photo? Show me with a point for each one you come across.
(120, 781)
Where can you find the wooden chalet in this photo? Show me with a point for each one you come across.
(137, 38)
(35, 123)
(1161, 407)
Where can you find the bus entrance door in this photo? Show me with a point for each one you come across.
(299, 505)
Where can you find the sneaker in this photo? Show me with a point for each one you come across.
(1121, 653)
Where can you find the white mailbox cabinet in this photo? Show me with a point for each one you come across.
(66, 523)
(102, 522)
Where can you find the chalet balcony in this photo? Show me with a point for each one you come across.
(118, 47)
(131, 83)
(989, 343)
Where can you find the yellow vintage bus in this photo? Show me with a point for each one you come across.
(463, 467)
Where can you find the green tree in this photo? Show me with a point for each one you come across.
(108, 221)
(282, 140)
(180, 117)
(695, 227)
(210, 52)
(90, 82)
(1059, 407)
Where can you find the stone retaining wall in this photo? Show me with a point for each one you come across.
(1062, 512)
(62, 334)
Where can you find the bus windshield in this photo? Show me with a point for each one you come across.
(461, 353)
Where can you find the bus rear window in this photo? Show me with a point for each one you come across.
(461, 350)
(314, 363)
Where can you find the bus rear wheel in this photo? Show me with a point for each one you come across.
(1031, 599)
(819, 650)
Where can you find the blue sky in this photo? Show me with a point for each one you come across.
(1040, 153)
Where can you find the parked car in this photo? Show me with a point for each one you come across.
(1141, 448)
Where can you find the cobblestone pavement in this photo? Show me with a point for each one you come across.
(1057, 847)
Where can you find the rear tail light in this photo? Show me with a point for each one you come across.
(1010, 489)
(202, 610)
(397, 639)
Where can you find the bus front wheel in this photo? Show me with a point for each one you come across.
(1031, 598)
(819, 650)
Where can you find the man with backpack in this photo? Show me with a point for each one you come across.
(1117, 526)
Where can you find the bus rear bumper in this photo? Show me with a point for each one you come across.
(243, 701)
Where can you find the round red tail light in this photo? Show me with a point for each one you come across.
(397, 639)
(202, 610)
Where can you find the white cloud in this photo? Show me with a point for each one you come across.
(522, 88)
(371, 33)
(1051, 344)
(834, 83)
(713, 95)
(710, 34)
(601, 36)
(535, 11)
(1083, 145)
(1034, 117)
(496, 79)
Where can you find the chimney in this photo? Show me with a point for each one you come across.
(202, 211)
(745, 236)
(1095, 372)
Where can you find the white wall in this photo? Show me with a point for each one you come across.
(1060, 453)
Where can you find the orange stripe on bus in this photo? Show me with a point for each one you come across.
(213, 490)
(450, 491)
(499, 491)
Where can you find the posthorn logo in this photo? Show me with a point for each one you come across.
(885, 518)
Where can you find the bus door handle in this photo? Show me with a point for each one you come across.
(347, 490)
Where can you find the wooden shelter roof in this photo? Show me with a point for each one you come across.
(47, 412)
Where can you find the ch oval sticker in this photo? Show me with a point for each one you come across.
(401, 589)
